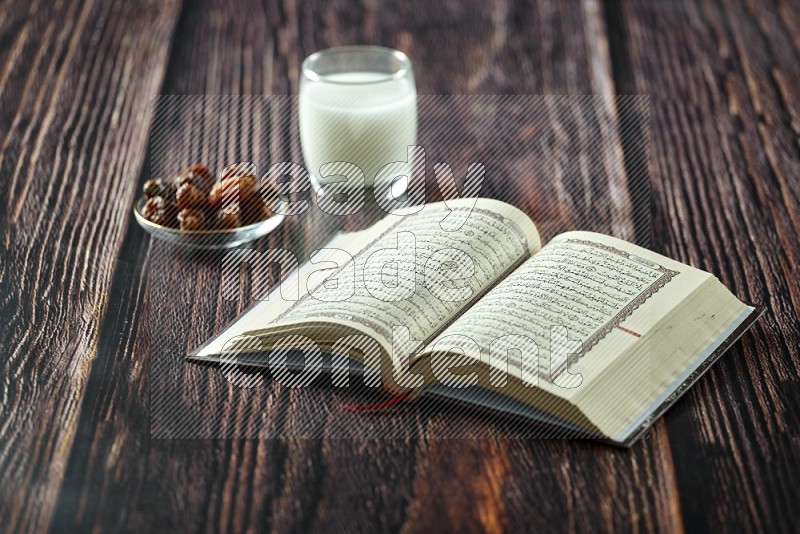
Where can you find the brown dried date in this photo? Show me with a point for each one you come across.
(158, 210)
(230, 190)
(254, 210)
(194, 201)
(189, 196)
(197, 175)
(229, 217)
(159, 188)
(190, 219)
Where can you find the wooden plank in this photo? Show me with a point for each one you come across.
(724, 85)
(118, 477)
(175, 303)
(76, 81)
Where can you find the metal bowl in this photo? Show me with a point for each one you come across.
(206, 239)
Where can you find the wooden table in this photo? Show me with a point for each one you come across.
(85, 296)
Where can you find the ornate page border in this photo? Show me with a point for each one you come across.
(641, 298)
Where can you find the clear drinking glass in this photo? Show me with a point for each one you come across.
(358, 104)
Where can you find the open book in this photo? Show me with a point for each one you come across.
(460, 300)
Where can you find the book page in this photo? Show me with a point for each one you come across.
(418, 273)
(593, 295)
(280, 298)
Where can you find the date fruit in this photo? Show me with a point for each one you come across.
(229, 217)
(195, 201)
(189, 196)
(197, 175)
(191, 219)
(254, 210)
(161, 211)
(159, 188)
(229, 190)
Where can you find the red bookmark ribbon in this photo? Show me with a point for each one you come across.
(628, 331)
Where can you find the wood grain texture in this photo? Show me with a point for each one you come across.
(725, 174)
(113, 311)
(330, 483)
(75, 84)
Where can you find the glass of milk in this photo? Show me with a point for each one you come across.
(358, 104)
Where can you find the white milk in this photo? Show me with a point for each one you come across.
(369, 124)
